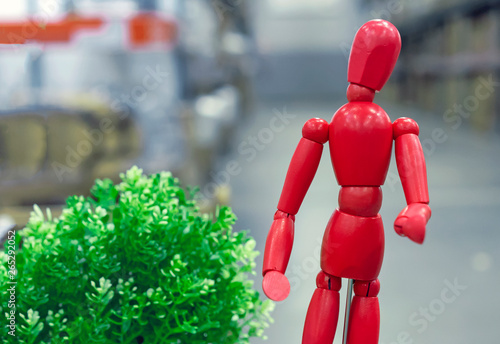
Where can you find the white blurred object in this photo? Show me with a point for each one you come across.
(214, 112)
(200, 27)
(7, 223)
(12, 10)
(481, 261)
(283, 27)
(169, 6)
(302, 6)
(234, 43)
(107, 7)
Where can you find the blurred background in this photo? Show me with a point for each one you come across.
(217, 91)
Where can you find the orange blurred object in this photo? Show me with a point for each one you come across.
(59, 31)
(144, 28)
(149, 28)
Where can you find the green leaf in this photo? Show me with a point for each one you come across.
(136, 259)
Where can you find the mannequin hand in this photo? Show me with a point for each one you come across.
(276, 285)
(412, 220)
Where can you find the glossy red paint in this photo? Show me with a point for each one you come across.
(316, 129)
(360, 144)
(411, 168)
(279, 245)
(325, 281)
(412, 220)
(367, 288)
(374, 53)
(305, 162)
(364, 321)
(322, 316)
(360, 137)
(353, 246)
(360, 200)
(276, 285)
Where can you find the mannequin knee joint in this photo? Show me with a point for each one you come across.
(325, 281)
(367, 288)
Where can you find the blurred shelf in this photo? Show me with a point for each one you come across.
(465, 63)
(421, 24)
(450, 49)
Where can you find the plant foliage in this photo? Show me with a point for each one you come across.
(137, 262)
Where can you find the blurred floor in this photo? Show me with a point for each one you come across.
(441, 292)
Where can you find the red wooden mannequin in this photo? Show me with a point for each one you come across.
(360, 137)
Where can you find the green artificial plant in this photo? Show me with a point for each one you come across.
(135, 263)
